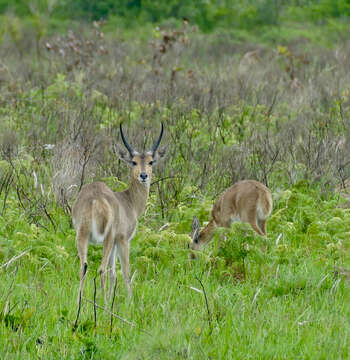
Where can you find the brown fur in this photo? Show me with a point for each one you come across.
(101, 215)
(142, 162)
(249, 200)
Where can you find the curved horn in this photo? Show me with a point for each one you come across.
(130, 149)
(156, 144)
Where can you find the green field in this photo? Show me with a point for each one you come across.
(271, 105)
(284, 297)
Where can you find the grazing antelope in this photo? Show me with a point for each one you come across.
(103, 216)
(246, 201)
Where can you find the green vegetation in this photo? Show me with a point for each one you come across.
(283, 297)
(207, 14)
(247, 16)
(232, 110)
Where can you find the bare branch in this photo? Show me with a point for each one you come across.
(14, 259)
(206, 303)
(116, 316)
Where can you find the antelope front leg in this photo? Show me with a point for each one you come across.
(123, 253)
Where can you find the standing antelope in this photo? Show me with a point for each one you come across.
(103, 216)
(247, 201)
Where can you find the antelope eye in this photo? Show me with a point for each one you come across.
(134, 163)
(150, 163)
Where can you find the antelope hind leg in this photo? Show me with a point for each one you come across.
(123, 253)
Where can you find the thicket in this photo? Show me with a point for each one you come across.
(208, 15)
(231, 112)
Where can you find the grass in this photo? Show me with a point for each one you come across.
(287, 299)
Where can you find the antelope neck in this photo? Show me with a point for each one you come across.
(138, 194)
(207, 233)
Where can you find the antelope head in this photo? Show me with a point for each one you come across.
(201, 237)
(141, 163)
(196, 227)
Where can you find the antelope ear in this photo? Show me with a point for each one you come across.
(195, 224)
(123, 154)
(159, 154)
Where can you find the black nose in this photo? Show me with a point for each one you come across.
(143, 176)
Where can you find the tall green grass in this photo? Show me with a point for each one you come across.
(283, 297)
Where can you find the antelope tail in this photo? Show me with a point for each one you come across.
(96, 213)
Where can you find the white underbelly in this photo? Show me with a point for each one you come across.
(235, 218)
(97, 238)
(95, 241)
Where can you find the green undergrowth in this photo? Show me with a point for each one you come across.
(282, 297)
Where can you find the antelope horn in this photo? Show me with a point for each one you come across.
(156, 144)
(130, 149)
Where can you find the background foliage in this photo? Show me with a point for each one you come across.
(207, 14)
